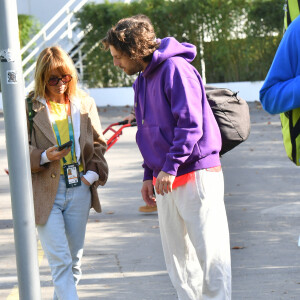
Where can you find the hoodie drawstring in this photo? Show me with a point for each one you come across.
(142, 105)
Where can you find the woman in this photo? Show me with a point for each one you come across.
(64, 182)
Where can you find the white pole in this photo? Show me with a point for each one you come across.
(12, 85)
(202, 60)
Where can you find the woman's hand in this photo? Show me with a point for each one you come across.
(53, 154)
(85, 181)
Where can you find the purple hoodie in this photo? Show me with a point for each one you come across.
(177, 132)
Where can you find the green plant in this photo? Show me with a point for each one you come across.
(236, 40)
(28, 27)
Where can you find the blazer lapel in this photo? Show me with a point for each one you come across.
(42, 121)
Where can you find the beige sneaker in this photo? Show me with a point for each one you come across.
(147, 208)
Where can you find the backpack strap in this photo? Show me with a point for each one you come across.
(293, 8)
(292, 11)
(289, 115)
(294, 133)
(31, 113)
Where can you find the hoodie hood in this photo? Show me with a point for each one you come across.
(170, 47)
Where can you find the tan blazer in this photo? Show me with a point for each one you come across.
(45, 178)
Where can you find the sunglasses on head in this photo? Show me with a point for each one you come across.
(55, 80)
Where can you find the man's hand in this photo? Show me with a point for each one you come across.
(147, 193)
(130, 118)
(53, 154)
(164, 182)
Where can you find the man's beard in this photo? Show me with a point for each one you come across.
(136, 68)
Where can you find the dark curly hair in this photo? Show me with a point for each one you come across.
(134, 36)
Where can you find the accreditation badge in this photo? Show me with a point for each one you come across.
(72, 176)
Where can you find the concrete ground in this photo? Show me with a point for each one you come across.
(123, 258)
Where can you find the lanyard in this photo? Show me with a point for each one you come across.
(70, 126)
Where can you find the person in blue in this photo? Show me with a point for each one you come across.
(281, 89)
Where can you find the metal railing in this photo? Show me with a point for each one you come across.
(59, 30)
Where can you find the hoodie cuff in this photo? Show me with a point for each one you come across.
(148, 174)
(171, 167)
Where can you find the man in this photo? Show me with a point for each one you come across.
(180, 142)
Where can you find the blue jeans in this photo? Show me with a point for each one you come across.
(62, 237)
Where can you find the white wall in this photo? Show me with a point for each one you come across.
(41, 10)
(247, 90)
(44, 10)
(112, 96)
(124, 96)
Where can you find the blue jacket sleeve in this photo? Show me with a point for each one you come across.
(281, 89)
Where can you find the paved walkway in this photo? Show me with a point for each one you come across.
(123, 257)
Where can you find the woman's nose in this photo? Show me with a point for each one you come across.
(60, 82)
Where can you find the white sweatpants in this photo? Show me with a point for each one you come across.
(195, 238)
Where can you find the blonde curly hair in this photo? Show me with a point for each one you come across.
(54, 58)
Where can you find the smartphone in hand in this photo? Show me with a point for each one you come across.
(65, 145)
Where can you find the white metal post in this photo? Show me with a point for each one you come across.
(12, 84)
(202, 60)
